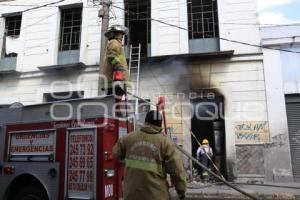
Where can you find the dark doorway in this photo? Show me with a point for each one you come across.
(138, 20)
(208, 123)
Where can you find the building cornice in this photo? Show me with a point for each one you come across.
(281, 41)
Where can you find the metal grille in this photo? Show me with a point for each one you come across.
(138, 20)
(249, 159)
(13, 25)
(203, 19)
(12, 29)
(70, 29)
(293, 117)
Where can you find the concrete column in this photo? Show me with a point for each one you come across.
(277, 153)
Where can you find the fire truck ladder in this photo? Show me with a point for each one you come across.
(134, 70)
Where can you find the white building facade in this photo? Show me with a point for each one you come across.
(200, 55)
(282, 71)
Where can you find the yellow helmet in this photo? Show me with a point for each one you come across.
(205, 141)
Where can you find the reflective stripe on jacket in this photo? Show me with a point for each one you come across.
(149, 156)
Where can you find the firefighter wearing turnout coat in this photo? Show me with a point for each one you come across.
(149, 157)
(115, 59)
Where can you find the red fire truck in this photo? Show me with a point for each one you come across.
(63, 150)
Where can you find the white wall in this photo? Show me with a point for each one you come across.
(291, 70)
(90, 36)
(238, 21)
(29, 88)
(165, 39)
(280, 31)
(239, 80)
(286, 38)
(275, 92)
(281, 77)
(39, 37)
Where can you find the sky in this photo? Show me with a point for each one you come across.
(279, 11)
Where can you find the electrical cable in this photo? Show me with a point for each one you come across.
(221, 38)
(225, 23)
(48, 4)
(227, 183)
(200, 164)
(37, 7)
(42, 6)
(25, 27)
(47, 42)
(30, 25)
(229, 23)
(190, 130)
(212, 173)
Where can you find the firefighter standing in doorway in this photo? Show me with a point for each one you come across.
(149, 156)
(204, 155)
(115, 59)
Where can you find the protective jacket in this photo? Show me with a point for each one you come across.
(115, 60)
(149, 156)
(204, 149)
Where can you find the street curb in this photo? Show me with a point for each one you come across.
(221, 196)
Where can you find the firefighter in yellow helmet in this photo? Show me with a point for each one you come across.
(204, 155)
(149, 156)
(115, 59)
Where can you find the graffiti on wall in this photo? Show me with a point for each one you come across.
(251, 132)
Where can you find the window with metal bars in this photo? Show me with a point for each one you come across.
(203, 19)
(12, 29)
(70, 26)
(13, 25)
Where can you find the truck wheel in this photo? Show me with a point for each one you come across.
(31, 193)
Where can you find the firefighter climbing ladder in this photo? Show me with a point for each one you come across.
(134, 70)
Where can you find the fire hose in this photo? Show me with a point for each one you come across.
(184, 152)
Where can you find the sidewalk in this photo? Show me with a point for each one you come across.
(197, 190)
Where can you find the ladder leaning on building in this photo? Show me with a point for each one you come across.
(134, 70)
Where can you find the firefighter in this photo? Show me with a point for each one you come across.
(204, 155)
(115, 59)
(149, 156)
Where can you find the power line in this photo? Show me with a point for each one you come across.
(25, 27)
(229, 23)
(93, 7)
(224, 39)
(43, 44)
(46, 5)
(162, 22)
(30, 25)
(226, 23)
(37, 7)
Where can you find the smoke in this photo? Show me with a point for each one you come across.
(177, 75)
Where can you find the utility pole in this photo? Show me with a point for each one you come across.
(104, 14)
